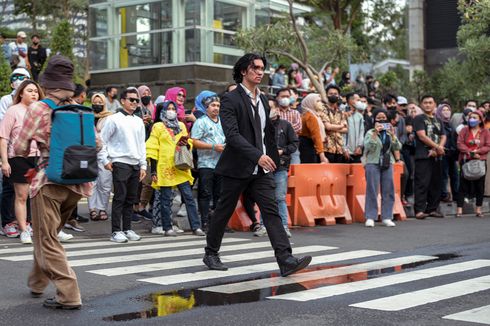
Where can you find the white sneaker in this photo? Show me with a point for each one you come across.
(132, 236)
(199, 233)
(261, 231)
(29, 228)
(369, 223)
(157, 230)
(177, 229)
(64, 237)
(170, 233)
(177, 200)
(25, 237)
(182, 211)
(287, 232)
(388, 223)
(119, 237)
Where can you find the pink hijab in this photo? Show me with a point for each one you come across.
(151, 107)
(171, 95)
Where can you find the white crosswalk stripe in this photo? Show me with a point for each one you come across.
(479, 315)
(433, 294)
(339, 289)
(250, 269)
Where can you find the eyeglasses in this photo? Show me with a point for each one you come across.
(180, 95)
(133, 99)
(18, 77)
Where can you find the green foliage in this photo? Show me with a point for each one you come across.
(62, 40)
(5, 72)
(389, 82)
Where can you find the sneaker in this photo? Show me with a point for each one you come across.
(177, 200)
(369, 223)
(287, 232)
(261, 232)
(146, 215)
(11, 230)
(229, 230)
(199, 232)
(29, 228)
(25, 237)
(135, 218)
(64, 237)
(81, 219)
(73, 224)
(119, 237)
(170, 233)
(132, 236)
(388, 223)
(177, 229)
(157, 230)
(182, 211)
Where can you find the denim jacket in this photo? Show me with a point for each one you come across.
(373, 146)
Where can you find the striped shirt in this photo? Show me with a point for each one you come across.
(293, 117)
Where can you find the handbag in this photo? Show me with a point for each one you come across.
(474, 169)
(183, 158)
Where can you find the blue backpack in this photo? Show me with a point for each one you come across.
(72, 154)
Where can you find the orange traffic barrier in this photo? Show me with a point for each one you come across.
(240, 221)
(356, 193)
(318, 194)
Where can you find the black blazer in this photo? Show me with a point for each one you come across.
(240, 156)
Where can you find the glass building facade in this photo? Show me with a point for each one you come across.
(135, 34)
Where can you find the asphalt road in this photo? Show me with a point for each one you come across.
(413, 274)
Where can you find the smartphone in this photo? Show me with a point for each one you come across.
(386, 126)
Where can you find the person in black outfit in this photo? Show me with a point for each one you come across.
(37, 56)
(429, 150)
(247, 163)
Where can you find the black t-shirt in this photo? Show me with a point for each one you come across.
(433, 129)
(37, 57)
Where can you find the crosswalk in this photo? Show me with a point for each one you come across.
(334, 272)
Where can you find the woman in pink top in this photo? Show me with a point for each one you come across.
(16, 167)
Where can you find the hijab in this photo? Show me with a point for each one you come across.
(141, 90)
(309, 102)
(104, 113)
(200, 102)
(439, 112)
(171, 124)
(171, 95)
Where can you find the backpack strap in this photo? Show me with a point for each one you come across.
(50, 103)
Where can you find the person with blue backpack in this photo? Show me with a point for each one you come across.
(65, 136)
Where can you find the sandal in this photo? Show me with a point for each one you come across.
(479, 214)
(93, 216)
(103, 215)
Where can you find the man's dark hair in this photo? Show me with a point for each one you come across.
(388, 98)
(281, 67)
(426, 96)
(483, 103)
(329, 87)
(349, 95)
(79, 89)
(109, 88)
(391, 115)
(369, 77)
(243, 63)
(468, 101)
(284, 89)
(125, 93)
(35, 35)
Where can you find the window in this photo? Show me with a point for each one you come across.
(228, 17)
(99, 19)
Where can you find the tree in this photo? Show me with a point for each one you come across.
(5, 72)
(33, 9)
(62, 40)
(341, 12)
(310, 46)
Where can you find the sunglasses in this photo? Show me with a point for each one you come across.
(19, 77)
(180, 95)
(132, 99)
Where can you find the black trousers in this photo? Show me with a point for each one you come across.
(209, 189)
(427, 185)
(335, 158)
(7, 204)
(307, 152)
(249, 206)
(125, 178)
(471, 187)
(261, 188)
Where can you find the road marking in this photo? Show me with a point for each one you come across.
(478, 315)
(315, 275)
(163, 254)
(124, 248)
(433, 294)
(242, 270)
(339, 289)
(198, 262)
(105, 243)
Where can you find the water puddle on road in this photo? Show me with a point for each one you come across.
(172, 302)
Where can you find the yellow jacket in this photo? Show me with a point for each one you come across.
(161, 147)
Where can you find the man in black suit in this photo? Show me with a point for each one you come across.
(247, 163)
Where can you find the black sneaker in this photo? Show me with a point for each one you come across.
(53, 304)
(135, 218)
(81, 219)
(214, 262)
(146, 215)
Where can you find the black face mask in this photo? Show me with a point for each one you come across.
(145, 100)
(35, 43)
(333, 99)
(97, 108)
(391, 107)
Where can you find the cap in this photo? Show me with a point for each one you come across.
(21, 34)
(21, 71)
(401, 100)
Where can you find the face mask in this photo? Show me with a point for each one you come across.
(35, 43)
(284, 102)
(17, 83)
(473, 122)
(333, 99)
(145, 100)
(171, 115)
(273, 114)
(393, 107)
(446, 114)
(97, 108)
(360, 106)
(292, 100)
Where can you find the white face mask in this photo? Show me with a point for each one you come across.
(360, 106)
(284, 102)
(17, 83)
(171, 115)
